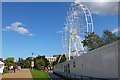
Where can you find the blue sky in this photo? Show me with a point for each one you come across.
(42, 21)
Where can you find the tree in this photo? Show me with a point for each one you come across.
(46, 61)
(92, 41)
(9, 61)
(41, 61)
(21, 62)
(28, 62)
(108, 37)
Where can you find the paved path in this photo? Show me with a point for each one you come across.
(23, 74)
(54, 77)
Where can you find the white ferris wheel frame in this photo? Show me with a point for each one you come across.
(67, 41)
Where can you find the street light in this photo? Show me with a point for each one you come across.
(32, 62)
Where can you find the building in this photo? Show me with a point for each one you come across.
(100, 63)
(51, 59)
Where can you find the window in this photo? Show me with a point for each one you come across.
(68, 65)
(82, 65)
(74, 64)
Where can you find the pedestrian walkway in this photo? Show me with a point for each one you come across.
(54, 77)
(23, 74)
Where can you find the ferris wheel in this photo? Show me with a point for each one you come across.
(78, 23)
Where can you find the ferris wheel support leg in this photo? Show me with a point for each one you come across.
(60, 57)
(69, 48)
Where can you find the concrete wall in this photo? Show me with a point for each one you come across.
(99, 63)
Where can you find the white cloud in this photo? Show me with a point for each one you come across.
(18, 27)
(30, 34)
(104, 7)
(97, 0)
(116, 30)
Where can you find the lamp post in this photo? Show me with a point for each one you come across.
(32, 62)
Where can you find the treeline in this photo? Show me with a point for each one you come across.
(9, 61)
(39, 62)
(93, 41)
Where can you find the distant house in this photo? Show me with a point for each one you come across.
(51, 59)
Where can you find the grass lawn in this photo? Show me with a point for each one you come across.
(5, 71)
(40, 74)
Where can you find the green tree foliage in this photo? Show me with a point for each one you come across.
(21, 62)
(9, 61)
(28, 62)
(41, 61)
(108, 37)
(93, 41)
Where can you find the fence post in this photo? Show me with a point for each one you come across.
(91, 78)
(75, 77)
(81, 78)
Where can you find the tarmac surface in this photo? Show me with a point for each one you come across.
(54, 77)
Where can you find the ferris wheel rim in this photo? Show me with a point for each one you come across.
(84, 9)
(71, 40)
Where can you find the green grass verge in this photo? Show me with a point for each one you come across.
(5, 71)
(40, 74)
